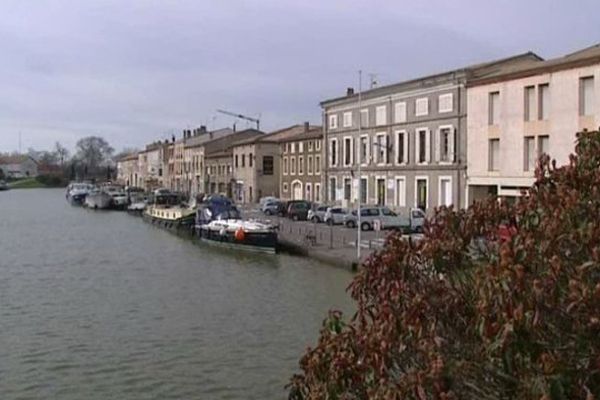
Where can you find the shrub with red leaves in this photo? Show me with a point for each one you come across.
(501, 301)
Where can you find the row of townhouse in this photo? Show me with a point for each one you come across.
(459, 136)
(444, 139)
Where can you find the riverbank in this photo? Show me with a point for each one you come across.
(39, 182)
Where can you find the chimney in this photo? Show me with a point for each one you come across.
(202, 129)
(173, 138)
(306, 126)
(349, 91)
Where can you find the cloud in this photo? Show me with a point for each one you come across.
(136, 71)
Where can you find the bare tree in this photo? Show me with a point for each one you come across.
(93, 151)
(62, 154)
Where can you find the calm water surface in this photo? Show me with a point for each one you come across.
(100, 305)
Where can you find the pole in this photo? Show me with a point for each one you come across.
(358, 243)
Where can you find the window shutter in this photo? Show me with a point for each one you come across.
(437, 144)
(406, 143)
(428, 145)
(452, 144)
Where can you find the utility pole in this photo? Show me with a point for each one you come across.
(358, 236)
(19, 142)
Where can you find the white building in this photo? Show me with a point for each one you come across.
(522, 111)
(18, 166)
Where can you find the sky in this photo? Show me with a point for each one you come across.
(137, 71)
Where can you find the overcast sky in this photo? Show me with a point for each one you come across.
(137, 71)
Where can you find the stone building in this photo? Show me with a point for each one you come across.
(257, 163)
(300, 172)
(519, 112)
(18, 166)
(128, 170)
(219, 172)
(411, 143)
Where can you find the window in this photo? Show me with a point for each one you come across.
(243, 160)
(309, 165)
(529, 154)
(400, 112)
(494, 155)
(267, 165)
(380, 115)
(348, 150)
(494, 108)
(293, 147)
(543, 145)
(333, 121)
(310, 145)
(317, 192)
(400, 192)
(332, 188)
(300, 165)
(423, 146)
(364, 118)
(285, 186)
(445, 147)
(380, 148)
(364, 149)
(544, 101)
(250, 160)
(347, 119)
(529, 103)
(445, 198)
(285, 147)
(401, 147)
(347, 188)
(445, 103)
(333, 151)
(422, 107)
(363, 190)
(236, 161)
(317, 164)
(292, 165)
(587, 100)
(285, 165)
(308, 191)
(300, 147)
(318, 145)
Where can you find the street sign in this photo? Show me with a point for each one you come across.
(376, 225)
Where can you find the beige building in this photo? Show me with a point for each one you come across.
(300, 172)
(520, 112)
(257, 163)
(18, 166)
(150, 168)
(128, 170)
(219, 172)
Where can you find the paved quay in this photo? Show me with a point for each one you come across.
(335, 245)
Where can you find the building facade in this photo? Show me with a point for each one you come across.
(517, 114)
(411, 143)
(128, 170)
(219, 170)
(257, 164)
(18, 166)
(300, 172)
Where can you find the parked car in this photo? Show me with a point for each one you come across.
(271, 207)
(298, 210)
(335, 215)
(387, 218)
(284, 206)
(317, 214)
(267, 199)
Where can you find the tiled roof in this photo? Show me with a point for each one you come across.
(203, 138)
(312, 133)
(587, 56)
(278, 135)
(468, 72)
(15, 159)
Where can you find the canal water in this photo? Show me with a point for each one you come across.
(100, 305)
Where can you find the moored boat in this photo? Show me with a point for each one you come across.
(168, 211)
(220, 223)
(77, 192)
(98, 200)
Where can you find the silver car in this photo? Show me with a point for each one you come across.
(375, 217)
(317, 214)
(335, 215)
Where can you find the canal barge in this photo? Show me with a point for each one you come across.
(218, 222)
(169, 212)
